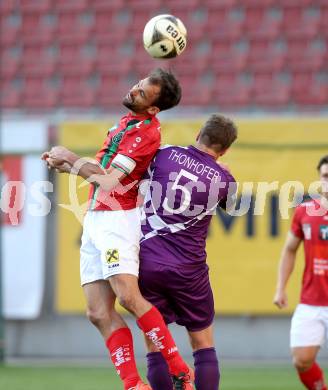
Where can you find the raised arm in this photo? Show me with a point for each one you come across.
(65, 161)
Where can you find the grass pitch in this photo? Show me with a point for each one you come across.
(234, 377)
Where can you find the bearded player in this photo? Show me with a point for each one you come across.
(186, 187)
(309, 327)
(111, 230)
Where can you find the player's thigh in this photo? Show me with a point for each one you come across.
(307, 327)
(99, 296)
(117, 237)
(193, 300)
(90, 256)
(202, 339)
(153, 283)
(128, 294)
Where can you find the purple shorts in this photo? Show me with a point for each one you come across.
(182, 295)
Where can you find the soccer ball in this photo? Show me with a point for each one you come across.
(165, 36)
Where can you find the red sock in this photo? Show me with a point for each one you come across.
(120, 346)
(313, 378)
(154, 327)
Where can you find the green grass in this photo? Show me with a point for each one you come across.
(100, 378)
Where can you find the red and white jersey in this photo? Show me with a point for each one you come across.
(313, 230)
(129, 146)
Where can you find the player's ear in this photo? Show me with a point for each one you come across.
(153, 110)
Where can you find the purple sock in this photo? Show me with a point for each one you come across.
(158, 372)
(207, 373)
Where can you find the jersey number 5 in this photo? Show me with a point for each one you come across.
(186, 198)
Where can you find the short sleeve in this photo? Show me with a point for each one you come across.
(140, 142)
(228, 202)
(296, 227)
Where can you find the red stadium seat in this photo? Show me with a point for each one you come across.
(264, 56)
(196, 94)
(9, 67)
(182, 8)
(324, 20)
(255, 3)
(108, 62)
(105, 5)
(109, 23)
(292, 16)
(111, 93)
(37, 94)
(312, 95)
(189, 63)
(306, 90)
(219, 46)
(40, 6)
(267, 29)
(229, 62)
(231, 30)
(302, 80)
(253, 17)
(9, 35)
(76, 37)
(31, 22)
(70, 51)
(38, 68)
(307, 29)
(7, 6)
(310, 60)
(10, 97)
(75, 92)
(222, 4)
(71, 5)
(45, 98)
(236, 97)
(80, 67)
(71, 23)
(270, 92)
(42, 37)
(231, 92)
(269, 60)
(144, 5)
(293, 3)
(220, 20)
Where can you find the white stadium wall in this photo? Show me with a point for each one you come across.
(24, 205)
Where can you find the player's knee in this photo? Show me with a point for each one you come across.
(127, 301)
(302, 362)
(96, 316)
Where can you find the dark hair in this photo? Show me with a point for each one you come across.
(170, 94)
(323, 160)
(218, 133)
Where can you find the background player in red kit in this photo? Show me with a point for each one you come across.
(309, 327)
(111, 230)
(186, 187)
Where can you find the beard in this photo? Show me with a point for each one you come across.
(129, 103)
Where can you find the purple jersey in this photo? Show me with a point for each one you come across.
(186, 186)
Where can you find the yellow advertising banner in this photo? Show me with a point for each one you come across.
(272, 158)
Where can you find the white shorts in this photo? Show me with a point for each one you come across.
(110, 244)
(309, 326)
